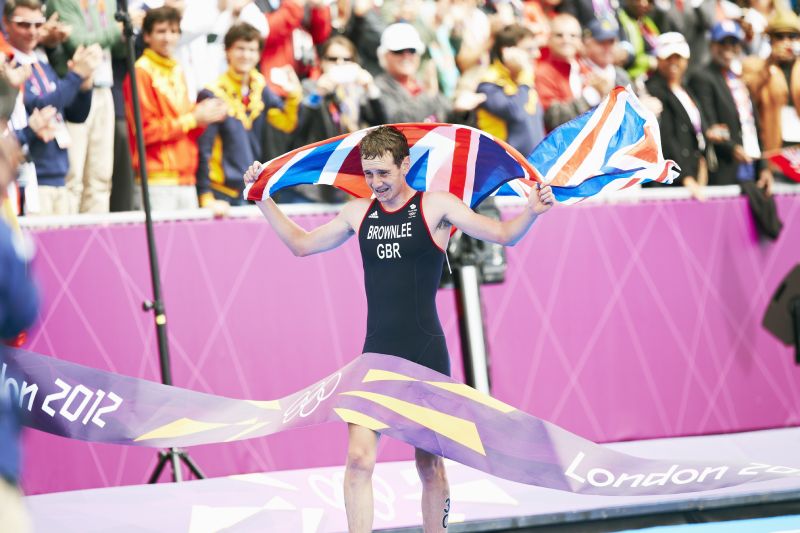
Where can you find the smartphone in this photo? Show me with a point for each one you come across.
(278, 76)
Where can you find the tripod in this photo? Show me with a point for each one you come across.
(173, 455)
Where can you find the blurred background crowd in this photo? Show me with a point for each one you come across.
(225, 82)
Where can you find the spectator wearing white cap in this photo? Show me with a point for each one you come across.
(405, 97)
(732, 134)
(681, 121)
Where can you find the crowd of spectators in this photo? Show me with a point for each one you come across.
(224, 82)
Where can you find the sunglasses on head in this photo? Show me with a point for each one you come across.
(27, 24)
(338, 59)
(404, 51)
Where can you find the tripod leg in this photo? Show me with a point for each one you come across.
(176, 464)
(191, 465)
(162, 461)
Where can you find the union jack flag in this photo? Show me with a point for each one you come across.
(611, 147)
(788, 161)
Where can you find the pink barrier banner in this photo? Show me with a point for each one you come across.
(615, 322)
(390, 395)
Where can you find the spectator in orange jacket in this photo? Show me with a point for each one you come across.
(171, 123)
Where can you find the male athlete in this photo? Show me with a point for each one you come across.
(402, 234)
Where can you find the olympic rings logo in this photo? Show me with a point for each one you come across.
(308, 402)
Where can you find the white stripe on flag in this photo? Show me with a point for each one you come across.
(334, 162)
(472, 160)
(440, 144)
(286, 166)
(594, 160)
(573, 146)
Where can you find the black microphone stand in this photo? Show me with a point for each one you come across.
(173, 456)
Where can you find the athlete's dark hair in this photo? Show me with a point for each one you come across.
(243, 32)
(384, 139)
(160, 14)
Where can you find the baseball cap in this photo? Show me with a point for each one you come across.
(603, 29)
(401, 36)
(671, 43)
(726, 28)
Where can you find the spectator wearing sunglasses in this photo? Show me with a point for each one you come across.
(71, 96)
(775, 82)
(405, 97)
(343, 99)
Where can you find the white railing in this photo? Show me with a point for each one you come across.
(300, 209)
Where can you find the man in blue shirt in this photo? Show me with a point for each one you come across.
(18, 310)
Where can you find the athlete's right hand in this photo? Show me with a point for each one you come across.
(252, 173)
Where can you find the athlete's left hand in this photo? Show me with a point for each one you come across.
(541, 199)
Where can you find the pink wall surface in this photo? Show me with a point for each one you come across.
(615, 321)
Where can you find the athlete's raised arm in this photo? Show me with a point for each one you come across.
(300, 241)
(444, 208)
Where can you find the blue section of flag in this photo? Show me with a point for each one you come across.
(416, 174)
(623, 149)
(307, 170)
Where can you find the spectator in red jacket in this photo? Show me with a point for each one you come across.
(295, 28)
(560, 80)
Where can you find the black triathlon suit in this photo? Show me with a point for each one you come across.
(402, 269)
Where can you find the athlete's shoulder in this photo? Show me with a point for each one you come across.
(440, 196)
(353, 211)
(357, 205)
(440, 200)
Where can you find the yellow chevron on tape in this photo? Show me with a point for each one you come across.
(462, 431)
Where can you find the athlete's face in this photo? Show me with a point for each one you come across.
(386, 179)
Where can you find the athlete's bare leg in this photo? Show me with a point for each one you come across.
(362, 450)
(435, 492)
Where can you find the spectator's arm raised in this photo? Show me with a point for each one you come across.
(67, 88)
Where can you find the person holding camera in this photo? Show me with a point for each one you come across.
(343, 99)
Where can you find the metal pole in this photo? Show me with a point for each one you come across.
(795, 312)
(157, 304)
(466, 279)
(173, 455)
